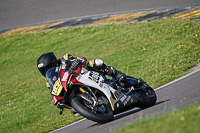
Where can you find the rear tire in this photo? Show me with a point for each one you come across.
(146, 98)
(78, 105)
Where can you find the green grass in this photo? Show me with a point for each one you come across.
(182, 121)
(157, 51)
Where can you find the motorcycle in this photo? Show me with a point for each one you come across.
(96, 97)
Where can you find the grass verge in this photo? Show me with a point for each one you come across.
(157, 51)
(182, 121)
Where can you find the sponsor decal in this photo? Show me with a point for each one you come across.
(125, 99)
(101, 85)
(40, 65)
(63, 66)
(117, 105)
(118, 94)
(54, 78)
(65, 56)
(79, 78)
(65, 76)
(57, 88)
(54, 100)
(131, 99)
(57, 69)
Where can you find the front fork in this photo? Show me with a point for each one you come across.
(63, 101)
(82, 90)
(92, 99)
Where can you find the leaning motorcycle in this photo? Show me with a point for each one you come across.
(95, 96)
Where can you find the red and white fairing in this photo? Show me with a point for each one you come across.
(94, 79)
(82, 76)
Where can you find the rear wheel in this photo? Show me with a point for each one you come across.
(146, 97)
(99, 113)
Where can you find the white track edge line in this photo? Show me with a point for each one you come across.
(68, 125)
(185, 76)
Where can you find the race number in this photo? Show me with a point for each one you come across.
(94, 76)
(57, 88)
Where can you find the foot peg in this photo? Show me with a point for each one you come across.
(61, 110)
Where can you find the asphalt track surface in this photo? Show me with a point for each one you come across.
(172, 96)
(17, 13)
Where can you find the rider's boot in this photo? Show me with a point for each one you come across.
(120, 76)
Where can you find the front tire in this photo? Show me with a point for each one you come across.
(101, 117)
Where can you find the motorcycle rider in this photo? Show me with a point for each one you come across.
(49, 60)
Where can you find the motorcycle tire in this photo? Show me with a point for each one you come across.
(146, 98)
(89, 114)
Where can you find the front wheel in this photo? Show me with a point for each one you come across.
(101, 113)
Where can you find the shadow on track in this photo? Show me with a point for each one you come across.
(127, 113)
(136, 110)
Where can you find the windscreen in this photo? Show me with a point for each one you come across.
(52, 75)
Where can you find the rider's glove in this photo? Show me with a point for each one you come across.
(75, 65)
(83, 60)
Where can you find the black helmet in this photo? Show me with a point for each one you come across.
(46, 61)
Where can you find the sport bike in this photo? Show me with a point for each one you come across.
(95, 96)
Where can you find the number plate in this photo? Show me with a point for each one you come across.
(57, 88)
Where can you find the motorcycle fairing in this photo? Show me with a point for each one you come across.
(55, 99)
(53, 77)
(94, 79)
(65, 75)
